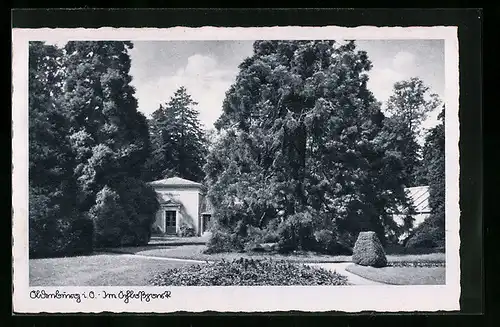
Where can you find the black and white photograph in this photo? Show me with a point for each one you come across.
(160, 167)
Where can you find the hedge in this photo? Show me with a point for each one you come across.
(60, 237)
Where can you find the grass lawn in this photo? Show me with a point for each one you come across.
(195, 252)
(116, 269)
(97, 270)
(401, 275)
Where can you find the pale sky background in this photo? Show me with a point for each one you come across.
(208, 68)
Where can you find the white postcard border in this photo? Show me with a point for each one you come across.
(236, 299)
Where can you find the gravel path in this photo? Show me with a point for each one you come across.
(340, 268)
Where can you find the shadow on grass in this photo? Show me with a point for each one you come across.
(156, 243)
(134, 249)
(63, 255)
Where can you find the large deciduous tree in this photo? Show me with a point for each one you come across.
(407, 108)
(178, 139)
(431, 233)
(302, 146)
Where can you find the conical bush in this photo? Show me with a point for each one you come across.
(368, 251)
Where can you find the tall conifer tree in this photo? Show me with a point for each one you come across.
(178, 138)
(110, 140)
(302, 140)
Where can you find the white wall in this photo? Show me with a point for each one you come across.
(189, 210)
(419, 218)
(160, 219)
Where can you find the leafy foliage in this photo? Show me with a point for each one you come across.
(248, 272)
(297, 232)
(88, 144)
(178, 139)
(301, 137)
(106, 214)
(55, 227)
(329, 242)
(223, 241)
(434, 158)
(111, 141)
(368, 251)
(431, 233)
(124, 218)
(411, 102)
(266, 235)
(187, 231)
(428, 235)
(51, 234)
(408, 107)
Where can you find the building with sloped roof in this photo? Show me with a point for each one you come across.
(419, 197)
(182, 202)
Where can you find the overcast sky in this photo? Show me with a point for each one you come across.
(208, 68)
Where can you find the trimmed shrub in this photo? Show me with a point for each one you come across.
(297, 233)
(248, 272)
(187, 231)
(368, 251)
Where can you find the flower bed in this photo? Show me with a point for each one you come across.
(248, 272)
(421, 264)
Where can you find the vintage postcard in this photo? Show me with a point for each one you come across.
(235, 169)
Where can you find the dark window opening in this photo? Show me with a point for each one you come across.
(206, 222)
(170, 222)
